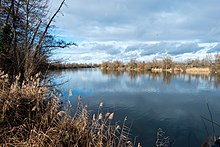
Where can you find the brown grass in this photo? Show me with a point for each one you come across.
(156, 69)
(31, 115)
(198, 71)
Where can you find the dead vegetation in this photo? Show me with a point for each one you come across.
(31, 115)
(198, 71)
(206, 66)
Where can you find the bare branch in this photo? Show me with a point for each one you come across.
(48, 25)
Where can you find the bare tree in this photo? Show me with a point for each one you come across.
(25, 42)
(117, 64)
(206, 61)
(217, 63)
(132, 64)
(167, 62)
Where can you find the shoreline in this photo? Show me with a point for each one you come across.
(193, 71)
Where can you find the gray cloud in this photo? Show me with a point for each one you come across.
(172, 48)
(184, 48)
(141, 20)
(109, 30)
(215, 49)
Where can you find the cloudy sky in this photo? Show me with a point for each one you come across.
(140, 29)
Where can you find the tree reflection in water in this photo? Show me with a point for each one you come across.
(166, 76)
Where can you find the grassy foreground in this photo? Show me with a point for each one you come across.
(31, 115)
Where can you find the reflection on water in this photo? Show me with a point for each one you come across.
(166, 76)
(173, 102)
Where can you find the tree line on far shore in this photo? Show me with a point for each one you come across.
(209, 64)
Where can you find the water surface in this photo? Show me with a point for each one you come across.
(174, 103)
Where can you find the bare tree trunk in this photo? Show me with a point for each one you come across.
(28, 41)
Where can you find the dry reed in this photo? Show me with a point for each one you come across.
(198, 71)
(31, 115)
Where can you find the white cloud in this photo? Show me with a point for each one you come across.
(138, 29)
(97, 52)
(125, 20)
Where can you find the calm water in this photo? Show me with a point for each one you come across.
(174, 103)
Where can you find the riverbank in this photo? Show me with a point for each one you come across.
(193, 71)
(198, 67)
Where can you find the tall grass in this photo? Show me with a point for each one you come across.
(31, 115)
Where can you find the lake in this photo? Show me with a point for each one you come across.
(173, 102)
